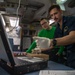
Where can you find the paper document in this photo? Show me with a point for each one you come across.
(57, 72)
(42, 42)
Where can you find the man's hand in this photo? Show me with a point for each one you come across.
(36, 51)
(57, 54)
(51, 44)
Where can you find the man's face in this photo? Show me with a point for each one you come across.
(44, 23)
(56, 14)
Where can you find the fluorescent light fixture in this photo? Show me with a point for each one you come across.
(14, 21)
(7, 29)
(63, 0)
(1, 0)
(62, 7)
(61, 3)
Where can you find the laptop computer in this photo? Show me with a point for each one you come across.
(16, 65)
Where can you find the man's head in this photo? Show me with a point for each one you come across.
(55, 13)
(44, 23)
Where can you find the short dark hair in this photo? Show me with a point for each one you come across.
(54, 6)
(43, 19)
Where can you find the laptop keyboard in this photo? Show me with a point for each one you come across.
(30, 59)
(24, 62)
(19, 62)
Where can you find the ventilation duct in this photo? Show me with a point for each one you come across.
(71, 4)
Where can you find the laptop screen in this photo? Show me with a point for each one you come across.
(6, 52)
(5, 49)
(26, 42)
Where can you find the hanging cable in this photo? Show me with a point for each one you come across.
(17, 11)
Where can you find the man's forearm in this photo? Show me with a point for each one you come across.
(45, 49)
(66, 40)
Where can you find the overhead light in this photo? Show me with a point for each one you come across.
(63, 0)
(7, 29)
(1, 0)
(62, 7)
(61, 3)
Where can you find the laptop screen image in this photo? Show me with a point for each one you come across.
(16, 65)
(6, 52)
(5, 48)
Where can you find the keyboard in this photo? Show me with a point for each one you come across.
(30, 59)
